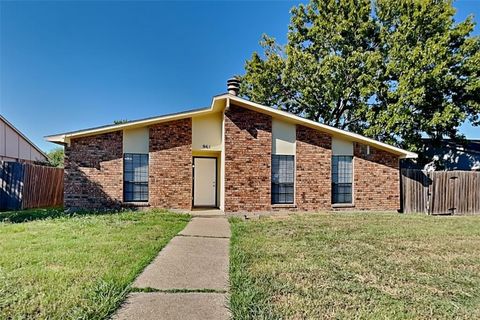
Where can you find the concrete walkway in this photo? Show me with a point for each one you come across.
(189, 277)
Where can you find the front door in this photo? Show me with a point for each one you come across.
(204, 182)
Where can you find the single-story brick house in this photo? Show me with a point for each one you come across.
(236, 155)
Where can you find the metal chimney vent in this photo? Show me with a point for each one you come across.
(233, 86)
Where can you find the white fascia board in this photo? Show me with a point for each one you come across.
(64, 138)
(224, 101)
(322, 127)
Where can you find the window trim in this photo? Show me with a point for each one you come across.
(135, 182)
(343, 204)
(283, 204)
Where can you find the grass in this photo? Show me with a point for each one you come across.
(19, 216)
(359, 265)
(77, 267)
(32, 214)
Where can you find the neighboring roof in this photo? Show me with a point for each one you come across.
(220, 102)
(467, 145)
(23, 136)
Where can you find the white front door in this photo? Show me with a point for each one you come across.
(204, 182)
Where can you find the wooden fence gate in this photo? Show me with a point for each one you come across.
(440, 192)
(24, 186)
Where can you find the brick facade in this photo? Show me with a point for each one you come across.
(313, 171)
(94, 168)
(94, 172)
(376, 180)
(248, 149)
(170, 172)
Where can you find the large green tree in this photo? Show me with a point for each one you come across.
(389, 69)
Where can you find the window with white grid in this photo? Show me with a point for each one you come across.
(342, 177)
(135, 177)
(283, 177)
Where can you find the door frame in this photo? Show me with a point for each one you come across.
(193, 182)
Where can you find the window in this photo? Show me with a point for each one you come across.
(283, 174)
(135, 177)
(342, 179)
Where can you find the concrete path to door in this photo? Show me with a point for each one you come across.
(188, 279)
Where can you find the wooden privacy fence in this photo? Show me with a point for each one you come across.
(24, 186)
(440, 192)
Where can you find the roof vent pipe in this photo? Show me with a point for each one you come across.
(233, 86)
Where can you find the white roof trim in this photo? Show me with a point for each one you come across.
(323, 127)
(64, 138)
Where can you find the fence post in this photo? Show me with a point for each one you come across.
(428, 200)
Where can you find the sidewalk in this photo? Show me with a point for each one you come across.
(188, 279)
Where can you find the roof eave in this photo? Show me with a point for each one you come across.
(61, 138)
(57, 139)
(403, 154)
(64, 138)
(409, 155)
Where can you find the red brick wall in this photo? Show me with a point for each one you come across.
(248, 169)
(170, 175)
(94, 168)
(94, 172)
(376, 180)
(313, 175)
(248, 148)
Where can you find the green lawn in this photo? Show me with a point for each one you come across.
(34, 214)
(356, 265)
(77, 267)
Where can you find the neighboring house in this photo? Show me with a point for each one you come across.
(452, 155)
(235, 155)
(16, 147)
(447, 154)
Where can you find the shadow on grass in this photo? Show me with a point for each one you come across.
(47, 213)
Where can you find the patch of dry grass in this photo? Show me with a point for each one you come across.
(356, 265)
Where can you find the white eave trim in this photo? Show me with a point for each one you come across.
(322, 127)
(64, 138)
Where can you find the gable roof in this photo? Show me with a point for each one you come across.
(33, 145)
(218, 104)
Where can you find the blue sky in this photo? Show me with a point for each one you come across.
(72, 65)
